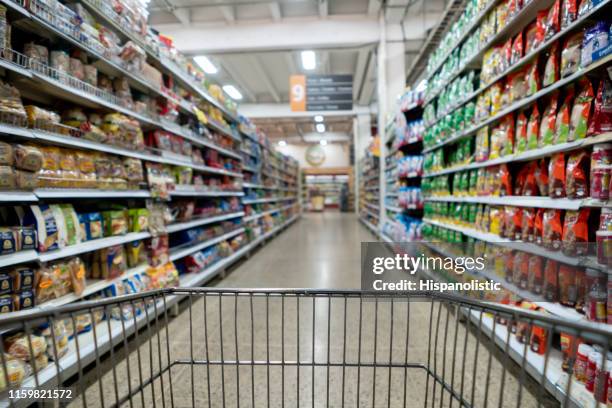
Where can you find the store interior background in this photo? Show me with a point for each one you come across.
(257, 45)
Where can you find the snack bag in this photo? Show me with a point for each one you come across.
(556, 173)
(538, 225)
(521, 133)
(576, 232)
(533, 128)
(541, 177)
(562, 122)
(552, 23)
(581, 111)
(551, 70)
(532, 78)
(528, 225)
(601, 121)
(506, 180)
(518, 86)
(569, 12)
(518, 49)
(549, 119)
(571, 54)
(576, 184)
(553, 229)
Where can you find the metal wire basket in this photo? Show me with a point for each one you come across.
(303, 348)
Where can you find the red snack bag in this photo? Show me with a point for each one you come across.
(569, 12)
(538, 226)
(576, 232)
(541, 29)
(549, 119)
(516, 224)
(581, 111)
(556, 173)
(533, 128)
(506, 129)
(519, 182)
(551, 284)
(506, 56)
(568, 291)
(536, 274)
(576, 181)
(531, 33)
(552, 23)
(601, 121)
(506, 180)
(532, 78)
(521, 133)
(553, 229)
(528, 225)
(551, 70)
(530, 187)
(518, 49)
(541, 176)
(562, 123)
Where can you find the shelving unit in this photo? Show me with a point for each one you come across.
(328, 183)
(369, 195)
(160, 113)
(460, 75)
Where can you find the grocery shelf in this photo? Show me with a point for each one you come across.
(254, 217)
(535, 364)
(529, 155)
(17, 196)
(410, 175)
(523, 102)
(93, 245)
(373, 188)
(270, 233)
(578, 23)
(178, 253)
(89, 193)
(521, 201)
(370, 213)
(18, 257)
(371, 227)
(267, 200)
(372, 206)
(180, 226)
(394, 208)
(250, 169)
(194, 191)
(585, 261)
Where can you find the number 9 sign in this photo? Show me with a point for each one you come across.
(297, 93)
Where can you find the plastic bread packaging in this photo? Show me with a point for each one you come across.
(18, 346)
(15, 372)
(60, 61)
(23, 300)
(7, 178)
(6, 154)
(77, 275)
(22, 278)
(57, 335)
(27, 157)
(46, 227)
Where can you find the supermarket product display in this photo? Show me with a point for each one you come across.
(517, 147)
(333, 187)
(403, 171)
(369, 191)
(122, 170)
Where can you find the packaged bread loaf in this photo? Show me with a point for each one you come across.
(28, 157)
(7, 178)
(6, 154)
(26, 180)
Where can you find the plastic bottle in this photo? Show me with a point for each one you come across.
(595, 357)
(582, 361)
(601, 379)
(597, 296)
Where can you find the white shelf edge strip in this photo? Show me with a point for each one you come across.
(181, 253)
(180, 226)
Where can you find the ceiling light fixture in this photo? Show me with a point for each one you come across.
(320, 127)
(323, 142)
(309, 60)
(282, 143)
(232, 92)
(206, 64)
(318, 118)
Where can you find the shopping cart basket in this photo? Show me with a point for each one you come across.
(290, 348)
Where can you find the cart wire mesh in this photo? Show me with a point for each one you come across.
(305, 348)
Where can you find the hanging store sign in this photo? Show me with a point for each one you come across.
(321, 92)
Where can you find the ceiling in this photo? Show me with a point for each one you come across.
(300, 130)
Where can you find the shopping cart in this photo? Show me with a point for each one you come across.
(290, 348)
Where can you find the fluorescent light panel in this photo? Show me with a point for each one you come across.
(320, 127)
(309, 60)
(323, 142)
(206, 64)
(318, 118)
(232, 92)
(282, 143)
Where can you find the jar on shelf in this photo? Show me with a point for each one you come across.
(596, 295)
(582, 361)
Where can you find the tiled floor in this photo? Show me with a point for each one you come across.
(346, 335)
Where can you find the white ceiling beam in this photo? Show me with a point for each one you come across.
(283, 110)
(369, 84)
(323, 8)
(275, 11)
(239, 80)
(360, 70)
(333, 32)
(263, 76)
(183, 15)
(228, 12)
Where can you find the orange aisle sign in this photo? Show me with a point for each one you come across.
(297, 93)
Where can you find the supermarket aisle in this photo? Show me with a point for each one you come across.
(322, 250)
